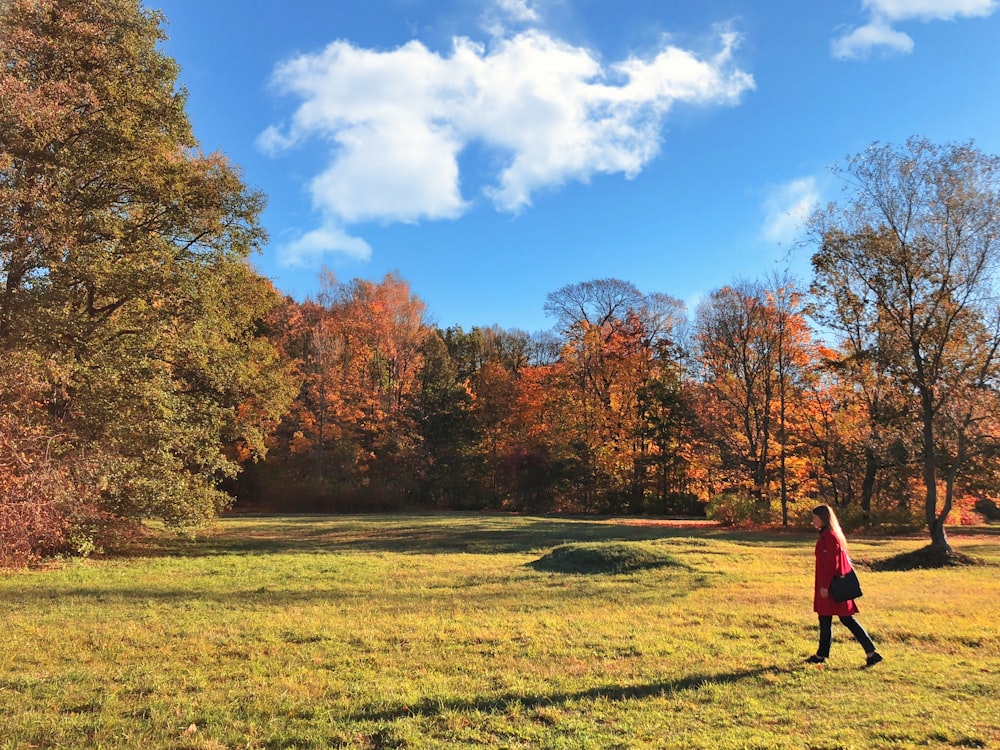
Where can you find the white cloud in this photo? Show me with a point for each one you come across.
(549, 112)
(272, 142)
(306, 250)
(787, 207)
(878, 33)
(500, 15)
(860, 42)
(929, 10)
(519, 10)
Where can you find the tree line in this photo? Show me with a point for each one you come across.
(629, 406)
(148, 371)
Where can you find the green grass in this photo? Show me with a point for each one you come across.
(438, 631)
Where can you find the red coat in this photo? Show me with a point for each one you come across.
(831, 560)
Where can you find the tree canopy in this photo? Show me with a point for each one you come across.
(907, 270)
(132, 363)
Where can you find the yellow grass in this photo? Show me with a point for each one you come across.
(435, 632)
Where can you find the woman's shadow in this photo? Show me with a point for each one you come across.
(502, 703)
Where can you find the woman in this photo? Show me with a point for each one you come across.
(832, 560)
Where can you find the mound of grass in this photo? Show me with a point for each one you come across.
(926, 558)
(607, 558)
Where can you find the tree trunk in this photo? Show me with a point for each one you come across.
(935, 522)
(638, 484)
(868, 483)
(782, 468)
(318, 464)
(939, 539)
(784, 489)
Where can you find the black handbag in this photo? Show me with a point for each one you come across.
(846, 587)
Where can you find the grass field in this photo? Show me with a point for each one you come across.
(441, 631)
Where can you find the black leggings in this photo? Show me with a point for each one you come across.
(826, 634)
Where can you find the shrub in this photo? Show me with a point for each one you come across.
(988, 509)
(852, 518)
(49, 505)
(28, 531)
(677, 504)
(731, 509)
(34, 526)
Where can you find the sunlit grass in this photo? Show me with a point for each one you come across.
(435, 631)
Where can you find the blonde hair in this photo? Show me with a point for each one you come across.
(828, 516)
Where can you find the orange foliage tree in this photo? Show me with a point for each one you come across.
(616, 343)
(755, 355)
(350, 437)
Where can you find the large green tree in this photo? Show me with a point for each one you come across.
(911, 258)
(125, 291)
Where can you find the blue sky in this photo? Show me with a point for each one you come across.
(493, 151)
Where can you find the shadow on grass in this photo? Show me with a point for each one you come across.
(275, 597)
(927, 558)
(504, 703)
(428, 534)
